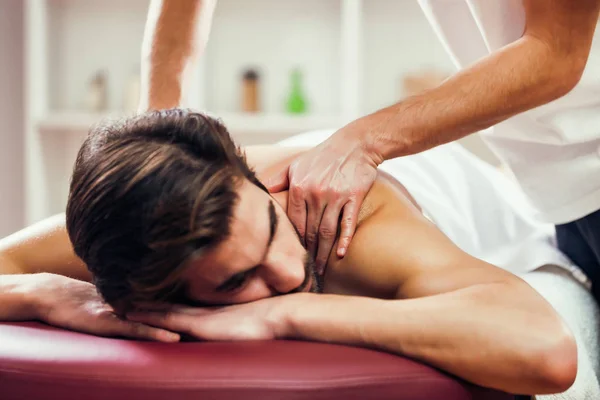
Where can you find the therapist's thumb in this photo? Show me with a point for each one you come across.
(279, 181)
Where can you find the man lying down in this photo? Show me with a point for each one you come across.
(164, 209)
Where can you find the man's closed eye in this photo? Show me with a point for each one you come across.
(237, 281)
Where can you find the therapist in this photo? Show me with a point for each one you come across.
(523, 70)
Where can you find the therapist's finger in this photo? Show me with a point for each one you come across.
(348, 225)
(313, 221)
(327, 234)
(279, 181)
(297, 210)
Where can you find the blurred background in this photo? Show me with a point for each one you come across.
(272, 68)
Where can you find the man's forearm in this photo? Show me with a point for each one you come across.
(17, 302)
(522, 76)
(175, 36)
(472, 333)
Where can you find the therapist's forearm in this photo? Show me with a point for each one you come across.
(521, 76)
(175, 36)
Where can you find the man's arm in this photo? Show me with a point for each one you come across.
(175, 36)
(42, 247)
(435, 304)
(17, 301)
(41, 278)
(452, 311)
(25, 256)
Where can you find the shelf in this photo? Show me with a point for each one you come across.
(237, 123)
(308, 37)
(240, 123)
(84, 37)
(391, 29)
(71, 121)
(291, 34)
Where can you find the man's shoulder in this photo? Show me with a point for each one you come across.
(270, 158)
(377, 258)
(387, 195)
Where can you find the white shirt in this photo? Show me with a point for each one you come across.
(553, 151)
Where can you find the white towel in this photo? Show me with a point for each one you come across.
(579, 310)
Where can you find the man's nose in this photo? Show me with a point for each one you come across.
(284, 274)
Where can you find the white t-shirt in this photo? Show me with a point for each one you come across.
(473, 204)
(553, 151)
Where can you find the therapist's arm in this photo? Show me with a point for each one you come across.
(543, 65)
(176, 33)
(329, 183)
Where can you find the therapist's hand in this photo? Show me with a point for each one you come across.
(327, 186)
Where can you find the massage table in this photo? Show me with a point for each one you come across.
(38, 361)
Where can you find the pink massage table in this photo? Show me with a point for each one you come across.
(38, 361)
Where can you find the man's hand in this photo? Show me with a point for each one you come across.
(73, 304)
(325, 184)
(259, 320)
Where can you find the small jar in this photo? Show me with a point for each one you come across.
(250, 91)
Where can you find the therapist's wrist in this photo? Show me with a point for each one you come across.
(396, 131)
(363, 137)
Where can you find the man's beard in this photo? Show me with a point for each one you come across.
(310, 277)
(310, 272)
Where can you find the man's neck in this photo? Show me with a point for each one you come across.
(282, 199)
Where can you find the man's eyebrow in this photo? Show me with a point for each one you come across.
(273, 223)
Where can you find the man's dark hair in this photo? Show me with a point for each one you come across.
(147, 193)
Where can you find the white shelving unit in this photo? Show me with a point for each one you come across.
(353, 55)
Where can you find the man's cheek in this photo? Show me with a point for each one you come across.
(256, 289)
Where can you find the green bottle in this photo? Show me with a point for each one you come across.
(296, 104)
